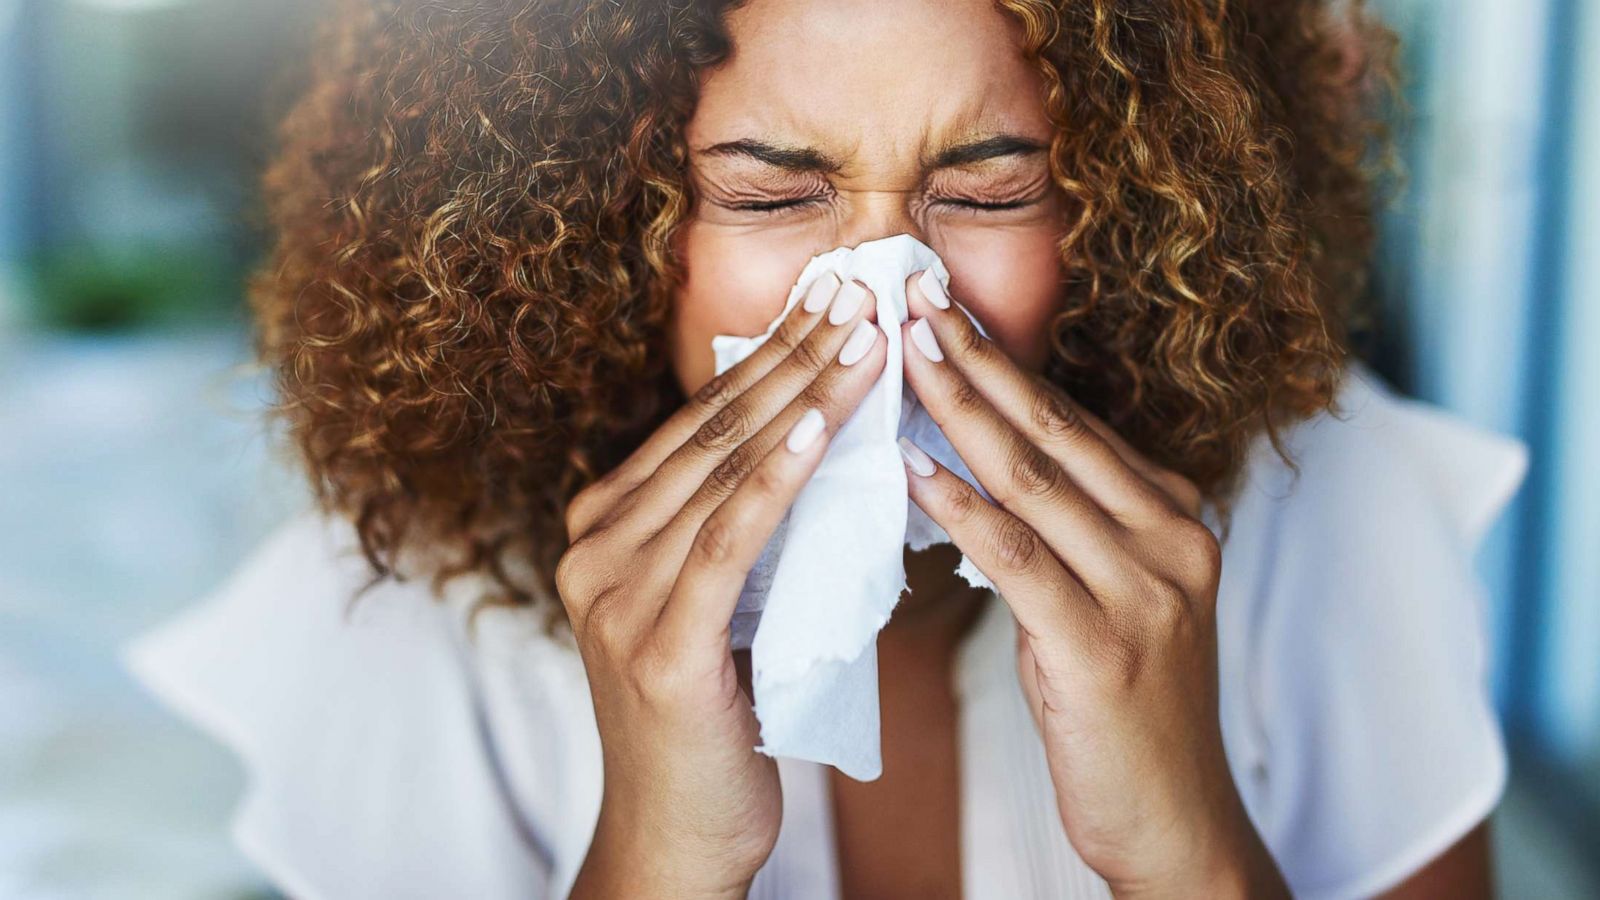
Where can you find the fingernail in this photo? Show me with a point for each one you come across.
(804, 432)
(846, 302)
(922, 336)
(933, 290)
(820, 292)
(859, 343)
(919, 461)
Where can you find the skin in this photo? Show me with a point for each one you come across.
(860, 121)
(879, 90)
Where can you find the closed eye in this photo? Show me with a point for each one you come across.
(976, 204)
(775, 206)
(771, 206)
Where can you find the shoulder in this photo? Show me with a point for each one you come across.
(360, 719)
(1374, 529)
(1380, 453)
(1382, 490)
(1354, 641)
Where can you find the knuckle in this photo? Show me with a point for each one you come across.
(968, 341)
(1035, 472)
(815, 395)
(731, 472)
(785, 339)
(1198, 552)
(1018, 546)
(808, 355)
(1055, 415)
(583, 510)
(571, 574)
(725, 429)
(962, 503)
(716, 393)
(605, 623)
(576, 516)
(766, 481)
(965, 396)
(715, 543)
(1167, 603)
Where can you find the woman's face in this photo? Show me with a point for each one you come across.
(858, 121)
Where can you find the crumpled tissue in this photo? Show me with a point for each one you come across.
(825, 584)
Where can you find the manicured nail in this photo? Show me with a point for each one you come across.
(933, 290)
(804, 432)
(860, 342)
(922, 336)
(846, 302)
(820, 292)
(919, 461)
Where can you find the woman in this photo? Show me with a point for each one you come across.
(507, 233)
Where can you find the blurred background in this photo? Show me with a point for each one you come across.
(135, 470)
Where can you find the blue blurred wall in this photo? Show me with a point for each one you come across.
(1490, 268)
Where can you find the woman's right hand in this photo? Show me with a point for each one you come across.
(659, 551)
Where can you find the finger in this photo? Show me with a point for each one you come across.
(699, 608)
(1110, 469)
(1019, 475)
(837, 393)
(1048, 601)
(721, 450)
(797, 324)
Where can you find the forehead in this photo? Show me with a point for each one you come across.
(853, 76)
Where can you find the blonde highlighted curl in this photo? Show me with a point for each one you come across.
(474, 205)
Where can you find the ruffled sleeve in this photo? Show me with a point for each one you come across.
(1367, 742)
(357, 723)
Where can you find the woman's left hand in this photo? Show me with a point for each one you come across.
(1112, 579)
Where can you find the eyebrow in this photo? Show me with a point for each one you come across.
(808, 159)
(984, 149)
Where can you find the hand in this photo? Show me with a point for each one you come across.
(659, 550)
(1112, 579)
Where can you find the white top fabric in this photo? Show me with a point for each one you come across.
(391, 756)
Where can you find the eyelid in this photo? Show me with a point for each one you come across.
(992, 205)
(773, 207)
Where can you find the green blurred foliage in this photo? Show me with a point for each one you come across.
(85, 288)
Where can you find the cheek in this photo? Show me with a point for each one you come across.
(1010, 280)
(736, 282)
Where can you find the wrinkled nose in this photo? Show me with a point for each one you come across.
(877, 215)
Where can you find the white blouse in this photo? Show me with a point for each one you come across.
(390, 755)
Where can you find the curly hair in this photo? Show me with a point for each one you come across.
(474, 206)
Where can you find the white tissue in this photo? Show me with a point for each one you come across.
(826, 583)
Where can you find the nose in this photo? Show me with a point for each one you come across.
(874, 214)
(855, 237)
(882, 216)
